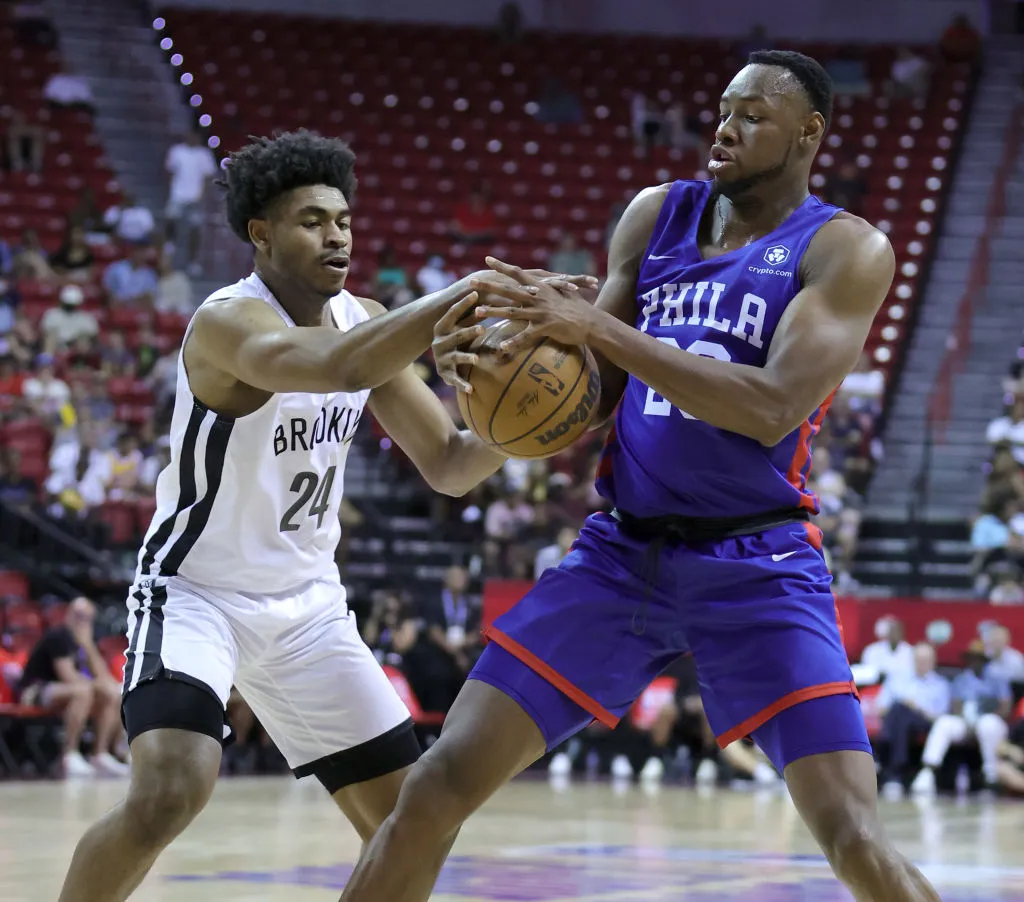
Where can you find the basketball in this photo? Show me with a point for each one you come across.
(534, 403)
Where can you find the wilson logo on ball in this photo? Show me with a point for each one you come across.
(579, 414)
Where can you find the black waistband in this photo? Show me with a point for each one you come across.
(677, 530)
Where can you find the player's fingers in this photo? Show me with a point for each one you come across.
(452, 378)
(583, 281)
(517, 294)
(454, 358)
(512, 271)
(562, 285)
(458, 338)
(523, 313)
(456, 312)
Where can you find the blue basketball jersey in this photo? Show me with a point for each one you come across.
(660, 460)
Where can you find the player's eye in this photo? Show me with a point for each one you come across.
(311, 224)
(344, 225)
(752, 119)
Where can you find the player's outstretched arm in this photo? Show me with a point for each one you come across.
(248, 340)
(452, 461)
(846, 274)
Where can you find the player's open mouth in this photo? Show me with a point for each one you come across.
(719, 158)
(338, 264)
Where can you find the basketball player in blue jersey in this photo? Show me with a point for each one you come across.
(732, 310)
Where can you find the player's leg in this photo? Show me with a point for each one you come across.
(772, 665)
(487, 739)
(178, 674)
(324, 700)
(565, 655)
(822, 748)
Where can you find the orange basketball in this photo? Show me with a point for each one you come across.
(535, 403)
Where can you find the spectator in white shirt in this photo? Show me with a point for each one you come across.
(1004, 660)
(551, 555)
(1009, 429)
(910, 704)
(64, 89)
(891, 655)
(79, 474)
(130, 221)
(191, 165)
(62, 326)
(909, 75)
(434, 277)
(45, 392)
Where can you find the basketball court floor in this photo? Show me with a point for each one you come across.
(275, 840)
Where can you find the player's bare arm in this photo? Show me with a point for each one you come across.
(243, 340)
(451, 460)
(846, 273)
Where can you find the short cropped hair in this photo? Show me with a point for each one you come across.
(266, 168)
(813, 78)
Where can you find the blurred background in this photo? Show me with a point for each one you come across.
(521, 130)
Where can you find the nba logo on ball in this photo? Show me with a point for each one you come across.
(776, 256)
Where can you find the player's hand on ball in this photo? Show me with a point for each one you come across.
(548, 306)
(452, 337)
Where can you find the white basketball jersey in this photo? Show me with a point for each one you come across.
(250, 503)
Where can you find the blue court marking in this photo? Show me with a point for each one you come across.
(701, 875)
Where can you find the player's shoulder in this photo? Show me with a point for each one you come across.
(373, 308)
(849, 245)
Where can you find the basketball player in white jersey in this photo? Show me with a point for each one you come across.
(236, 581)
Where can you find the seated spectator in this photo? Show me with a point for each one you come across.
(1007, 588)
(996, 539)
(79, 474)
(30, 260)
(909, 76)
(981, 703)
(88, 216)
(173, 289)
(33, 24)
(125, 469)
(960, 42)
(163, 380)
(453, 621)
(24, 343)
(74, 258)
(910, 703)
(1009, 430)
(147, 352)
(63, 89)
(25, 144)
(1004, 661)
(160, 459)
(12, 379)
(390, 283)
(552, 555)
(840, 518)
(66, 673)
(45, 393)
(130, 221)
(685, 131)
(557, 104)
(65, 324)
(506, 520)
(473, 219)
(1006, 476)
(646, 122)
(847, 188)
(1010, 770)
(891, 655)
(434, 277)
(131, 282)
(15, 489)
(191, 165)
(114, 354)
(570, 259)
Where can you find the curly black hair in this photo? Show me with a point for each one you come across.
(813, 78)
(266, 168)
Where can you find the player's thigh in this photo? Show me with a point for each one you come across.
(180, 664)
(327, 704)
(775, 644)
(586, 640)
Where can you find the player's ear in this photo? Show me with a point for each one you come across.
(259, 234)
(814, 129)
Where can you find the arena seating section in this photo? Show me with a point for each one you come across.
(431, 111)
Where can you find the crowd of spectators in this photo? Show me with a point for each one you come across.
(997, 531)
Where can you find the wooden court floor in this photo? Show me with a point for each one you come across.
(272, 839)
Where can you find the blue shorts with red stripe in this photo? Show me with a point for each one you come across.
(756, 611)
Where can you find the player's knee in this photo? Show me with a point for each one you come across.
(163, 801)
(853, 842)
(438, 792)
